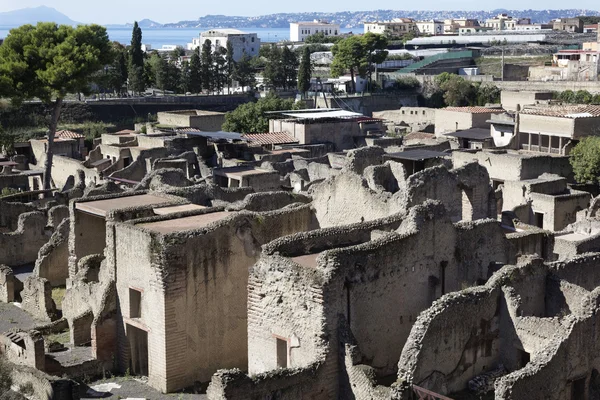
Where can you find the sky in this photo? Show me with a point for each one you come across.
(121, 11)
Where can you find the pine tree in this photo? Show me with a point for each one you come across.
(195, 73)
(305, 71)
(273, 73)
(207, 66)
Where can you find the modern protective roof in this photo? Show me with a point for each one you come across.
(342, 114)
(219, 135)
(270, 138)
(473, 134)
(415, 155)
(102, 207)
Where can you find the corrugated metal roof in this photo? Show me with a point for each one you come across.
(415, 155)
(220, 135)
(569, 111)
(474, 110)
(68, 135)
(473, 133)
(270, 138)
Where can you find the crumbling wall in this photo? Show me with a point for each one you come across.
(7, 284)
(22, 245)
(56, 215)
(10, 212)
(269, 201)
(23, 348)
(53, 258)
(37, 299)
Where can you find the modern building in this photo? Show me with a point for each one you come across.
(301, 30)
(431, 27)
(568, 24)
(452, 25)
(504, 22)
(395, 27)
(241, 42)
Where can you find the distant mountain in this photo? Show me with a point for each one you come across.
(33, 16)
(147, 23)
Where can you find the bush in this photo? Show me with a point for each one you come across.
(585, 159)
(251, 118)
(408, 83)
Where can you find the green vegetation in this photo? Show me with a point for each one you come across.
(589, 20)
(251, 118)
(320, 37)
(357, 54)
(305, 71)
(407, 84)
(8, 191)
(62, 337)
(58, 294)
(281, 66)
(47, 62)
(585, 159)
(459, 92)
(578, 97)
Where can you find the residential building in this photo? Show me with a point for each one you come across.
(592, 28)
(504, 22)
(452, 25)
(431, 27)
(568, 24)
(452, 119)
(301, 30)
(395, 27)
(241, 42)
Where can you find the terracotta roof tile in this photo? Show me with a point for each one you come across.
(68, 135)
(475, 110)
(270, 138)
(565, 111)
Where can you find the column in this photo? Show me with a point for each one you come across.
(560, 145)
(529, 143)
(549, 144)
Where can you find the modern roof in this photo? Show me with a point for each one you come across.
(415, 155)
(473, 134)
(223, 31)
(270, 138)
(102, 207)
(419, 136)
(68, 135)
(240, 172)
(186, 223)
(124, 132)
(219, 135)
(314, 23)
(341, 114)
(475, 110)
(566, 111)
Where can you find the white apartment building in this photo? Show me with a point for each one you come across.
(301, 30)
(430, 27)
(504, 22)
(241, 42)
(395, 27)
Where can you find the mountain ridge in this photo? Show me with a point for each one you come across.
(33, 15)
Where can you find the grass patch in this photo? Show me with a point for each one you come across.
(58, 294)
(62, 338)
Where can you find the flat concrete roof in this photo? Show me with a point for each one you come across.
(294, 150)
(102, 207)
(308, 260)
(239, 173)
(186, 223)
(573, 237)
(176, 209)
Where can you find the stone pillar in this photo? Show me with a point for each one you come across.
(560, 145)
(549, 144)
(539, 141)
(7, 284)
(529, 144)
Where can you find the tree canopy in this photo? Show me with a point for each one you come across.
(305, 71)
(251, 118)
(585, 159)
(48, 61)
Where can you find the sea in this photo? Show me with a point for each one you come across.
(157, 37)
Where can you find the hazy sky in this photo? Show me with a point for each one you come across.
(121, 11)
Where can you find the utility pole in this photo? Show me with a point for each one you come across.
(502, 63)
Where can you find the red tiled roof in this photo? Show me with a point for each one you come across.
(68, 135)
(270, 138)
(475, 110)
(566, 111)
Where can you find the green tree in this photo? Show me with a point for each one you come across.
(137, 82)
(585, 159)
(583, 97)
(230, 65)
(195, 85)
(251, 118)
(206, 75)
(320, 37)
(568, 96)
(458, 92)
(7, 142)
(375, 49)
(305, 71)
(289, 67)
(243, 72)
(184, 77)
(220, 68)
(350, 55)
(273, 73)
(120, 68)
(487, 94)
(47, 62)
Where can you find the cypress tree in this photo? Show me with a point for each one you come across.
(195, 85)
(305, 71)
(136, 61)
(207, 66)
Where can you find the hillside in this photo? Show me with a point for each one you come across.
(33, 16)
